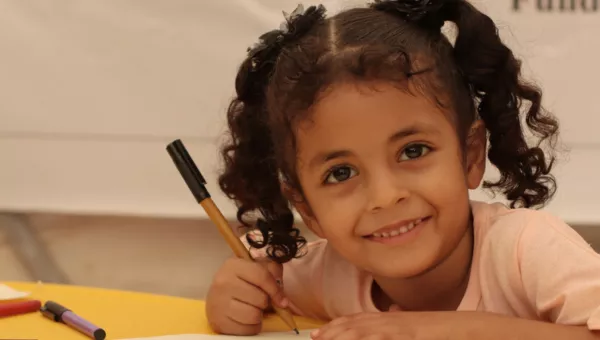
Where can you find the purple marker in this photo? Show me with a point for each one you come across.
(58, 313)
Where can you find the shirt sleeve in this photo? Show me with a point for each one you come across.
(558, 270)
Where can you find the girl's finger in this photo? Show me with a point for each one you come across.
(340, 331)
(259, 276)
(235, 328)
(244, 313)
(250, 294)
(334, 324)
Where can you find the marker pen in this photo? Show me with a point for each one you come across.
(58, 313)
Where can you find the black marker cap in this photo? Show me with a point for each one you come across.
(53, 310)
(188, 170)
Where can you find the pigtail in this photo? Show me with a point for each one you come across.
(251, 175)
(503, 101)
(492, 75)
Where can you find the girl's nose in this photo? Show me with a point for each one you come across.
(385, 191)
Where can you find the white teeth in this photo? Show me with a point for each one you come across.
(401, 230)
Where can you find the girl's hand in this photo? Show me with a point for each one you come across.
(391, 325)
(240, 293)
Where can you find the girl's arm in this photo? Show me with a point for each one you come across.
(491, 327)
(448, 326)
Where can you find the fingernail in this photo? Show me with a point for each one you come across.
(314, 334)
(284, 302)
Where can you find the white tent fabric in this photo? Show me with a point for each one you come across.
(92, 91)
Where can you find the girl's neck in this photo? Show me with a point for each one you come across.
(441, 289)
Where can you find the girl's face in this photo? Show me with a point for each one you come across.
(385, 179)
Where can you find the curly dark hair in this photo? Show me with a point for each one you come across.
(477, 77)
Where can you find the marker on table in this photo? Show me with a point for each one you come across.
(58, 313)
(195, 181)
(19, 307)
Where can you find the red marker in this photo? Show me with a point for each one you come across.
(20, 307)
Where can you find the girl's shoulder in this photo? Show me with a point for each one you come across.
(503, 228)
(530, 263)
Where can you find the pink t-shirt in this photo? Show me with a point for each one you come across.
(526, 264)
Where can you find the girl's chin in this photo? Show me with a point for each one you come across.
(401, 270)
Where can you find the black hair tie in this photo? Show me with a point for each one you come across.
(295, 25)
(429, 14)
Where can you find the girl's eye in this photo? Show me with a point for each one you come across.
(414, 151)
(340, 174)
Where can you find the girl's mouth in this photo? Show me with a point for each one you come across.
(398, 233)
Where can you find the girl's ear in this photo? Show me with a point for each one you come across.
(476, 151)
(302, 208)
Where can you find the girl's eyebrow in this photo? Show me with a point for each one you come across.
(412, 130)
(403, 133)
(326, 156)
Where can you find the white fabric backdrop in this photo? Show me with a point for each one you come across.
(91, 92)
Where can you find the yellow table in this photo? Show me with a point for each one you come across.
(121, 314)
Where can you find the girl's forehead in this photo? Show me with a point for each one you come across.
(356, 107)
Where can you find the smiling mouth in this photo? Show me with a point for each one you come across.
(389, 233)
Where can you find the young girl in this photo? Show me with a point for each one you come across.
(374, 125)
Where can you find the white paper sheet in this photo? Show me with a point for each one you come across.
(304, 335)
(7, 293)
